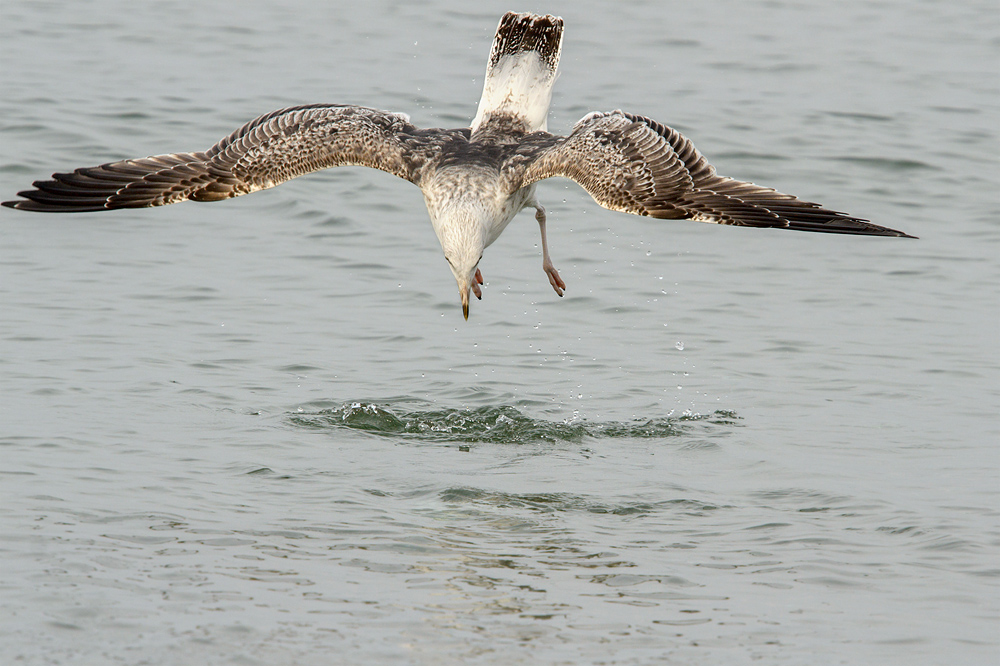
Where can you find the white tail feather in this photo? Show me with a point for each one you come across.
(519, 85)
(521, 72)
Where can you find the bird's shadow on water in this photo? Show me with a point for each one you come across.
(503, 424)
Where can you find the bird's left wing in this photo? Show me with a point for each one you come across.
(263, 153)
(636, 165)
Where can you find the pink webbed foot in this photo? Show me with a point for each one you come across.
(475, 285)
(550, 270)
(554, 279)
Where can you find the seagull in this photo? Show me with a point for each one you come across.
(475, 180)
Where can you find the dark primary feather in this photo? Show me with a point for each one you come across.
(636, 165)
(263, 153)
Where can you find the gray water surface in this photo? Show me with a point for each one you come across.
(259, 431)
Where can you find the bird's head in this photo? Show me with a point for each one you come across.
(463, 239)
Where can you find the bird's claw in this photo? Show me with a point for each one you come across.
(475, 285)
(554, 279)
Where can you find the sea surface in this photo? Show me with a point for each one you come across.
(260, 432)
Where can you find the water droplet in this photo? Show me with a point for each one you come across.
(679, 346)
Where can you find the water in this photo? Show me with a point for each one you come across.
(259, 432)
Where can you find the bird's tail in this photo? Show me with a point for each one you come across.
(520, 73)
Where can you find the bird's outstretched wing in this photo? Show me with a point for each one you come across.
(636, 165)
(263, 153)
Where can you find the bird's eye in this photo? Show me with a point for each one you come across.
(448, 259)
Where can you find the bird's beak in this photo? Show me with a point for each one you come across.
(464, 292)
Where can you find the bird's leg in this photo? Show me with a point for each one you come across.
(550, 270)
(475, 285)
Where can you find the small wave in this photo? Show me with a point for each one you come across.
(558, 502)
(861, 116)
(501, 425)
(886, 163)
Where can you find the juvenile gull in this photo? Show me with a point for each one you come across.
(474, 180)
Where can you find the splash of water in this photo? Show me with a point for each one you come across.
(504, 424)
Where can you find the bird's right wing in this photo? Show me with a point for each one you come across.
(637, 165)
(263, 153)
